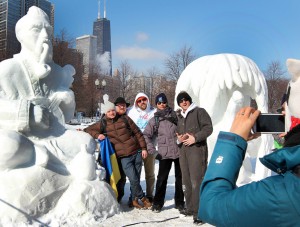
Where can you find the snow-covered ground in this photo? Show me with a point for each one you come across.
(169, 216)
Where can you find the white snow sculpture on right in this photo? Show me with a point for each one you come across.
(222, 84)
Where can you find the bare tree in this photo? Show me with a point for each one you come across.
(153, 73)
(125, 75)
(178, 61)
(276, 83)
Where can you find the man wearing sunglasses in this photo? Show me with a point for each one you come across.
(193, 128)
(141, 112)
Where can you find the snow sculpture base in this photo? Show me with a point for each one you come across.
(38, 193)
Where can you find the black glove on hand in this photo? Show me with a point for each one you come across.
(158, 157)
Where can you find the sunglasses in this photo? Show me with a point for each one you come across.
(183, 100)
(159, 103)
(141, 100)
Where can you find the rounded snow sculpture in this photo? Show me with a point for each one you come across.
(43, 166)
(222, 84)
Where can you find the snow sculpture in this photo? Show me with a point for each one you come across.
(222, 84)
(43, 166)
(291, 109)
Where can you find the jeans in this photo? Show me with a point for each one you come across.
(132, 166)
(162, 180)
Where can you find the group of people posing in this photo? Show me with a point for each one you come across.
(180, 137)
(141, 133)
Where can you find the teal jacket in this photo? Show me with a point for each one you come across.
(274, 201)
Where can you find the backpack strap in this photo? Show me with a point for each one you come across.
(103, 124)
(156, 125)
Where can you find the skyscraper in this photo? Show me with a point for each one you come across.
(87, 45)
(101, 29)
(10, 12)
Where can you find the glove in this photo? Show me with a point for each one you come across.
(158, 157)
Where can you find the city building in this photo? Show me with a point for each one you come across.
(10, 12)
(87, 45)
(101, 29)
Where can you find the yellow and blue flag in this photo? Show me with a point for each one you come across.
(110, 163)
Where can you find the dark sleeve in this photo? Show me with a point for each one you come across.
(205, 125)
(148, 135)
(94, 130)
(137, 133)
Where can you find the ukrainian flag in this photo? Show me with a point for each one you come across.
(110, 163)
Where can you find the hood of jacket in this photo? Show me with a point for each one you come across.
(139, 116)
(135, 106)
(191, 107)
(282, 160)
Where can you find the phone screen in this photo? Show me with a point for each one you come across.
(269, 123)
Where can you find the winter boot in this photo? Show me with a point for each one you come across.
(135, 203)
(146, 202)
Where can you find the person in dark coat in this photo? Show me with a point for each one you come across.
(162, 129)
(121, 107)
(193, 128)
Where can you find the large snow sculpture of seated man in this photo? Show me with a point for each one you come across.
(35, 101)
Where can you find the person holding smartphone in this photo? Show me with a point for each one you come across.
(274, 201)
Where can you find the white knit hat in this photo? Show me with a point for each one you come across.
(293, 99)
(107, 106)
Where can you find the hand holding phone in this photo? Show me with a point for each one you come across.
(244, 121)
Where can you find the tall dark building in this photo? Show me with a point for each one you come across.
(101, 29)
(10, 12)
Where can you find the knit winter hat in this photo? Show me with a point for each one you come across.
(161, 98)
(183, 95)
(107, 106)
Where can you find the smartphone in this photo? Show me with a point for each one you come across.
(269, 123)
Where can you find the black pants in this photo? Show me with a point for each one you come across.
(122, 182)
(162, 180)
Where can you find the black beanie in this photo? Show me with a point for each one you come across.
(161, 98)
(183, 95)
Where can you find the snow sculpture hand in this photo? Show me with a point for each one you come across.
(39, 117)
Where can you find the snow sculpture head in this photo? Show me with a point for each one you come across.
(293, 95)
(34, 32)
(222, 84)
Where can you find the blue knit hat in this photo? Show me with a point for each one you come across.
(161, 98)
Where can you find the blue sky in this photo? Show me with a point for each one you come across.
(145, 32)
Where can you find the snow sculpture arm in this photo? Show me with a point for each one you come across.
(62, 96)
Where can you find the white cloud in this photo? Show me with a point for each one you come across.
(139, 53)
(141, 37)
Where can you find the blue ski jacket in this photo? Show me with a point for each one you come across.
(273, 201)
